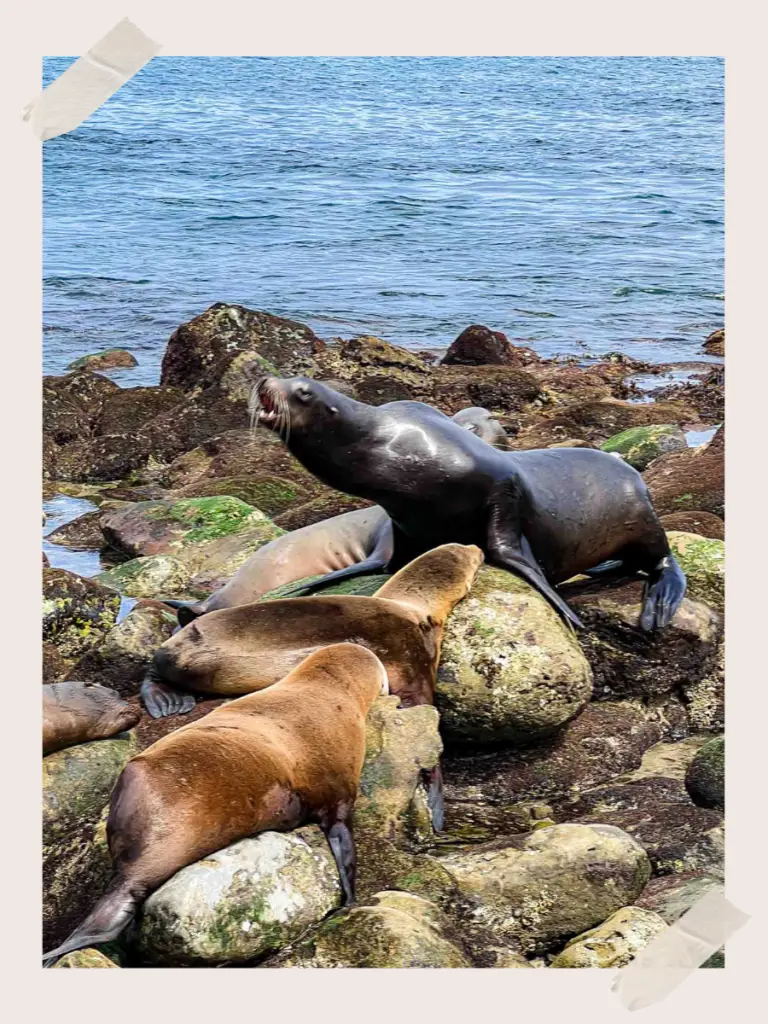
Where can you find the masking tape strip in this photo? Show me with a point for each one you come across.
(666, 961)
(90, 81)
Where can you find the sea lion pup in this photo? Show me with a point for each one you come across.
(483, 424)
(240, 650)
(545, 515)
(78, 712)
(362, 538)
(274, 760)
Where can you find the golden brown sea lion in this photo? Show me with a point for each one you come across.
(78, 712)
(274, 760)
(239, 650)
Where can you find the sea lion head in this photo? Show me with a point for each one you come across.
(293, 404)
(484, 424)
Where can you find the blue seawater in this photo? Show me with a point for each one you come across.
(573, 202)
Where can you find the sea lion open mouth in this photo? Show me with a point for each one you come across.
(269, 408)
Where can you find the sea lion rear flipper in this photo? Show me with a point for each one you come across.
(108, 919)
(342, 846)
(663, 592)
(370, 566)
(162, 700)
(433, 777)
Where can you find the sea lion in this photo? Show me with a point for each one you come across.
(483, 424)
(274, 760)
(362, 538)
(239, 650)
(545, 515)
(78, 712)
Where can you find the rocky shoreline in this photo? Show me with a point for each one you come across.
(583, 775)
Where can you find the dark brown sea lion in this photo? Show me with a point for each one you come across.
(362, 538)
(274, 760)
(78, 712)
(545, 515)
(240, 650)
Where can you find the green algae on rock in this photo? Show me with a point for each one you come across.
(106, 359)
(85, 958)
(702, 559)
(539, 889)
(77, 611)
(705, 778)
(509, 669)
(615, 942)
(153, 576)
(397, 930)
(271, 494)
(639, 446)
(77, 783)
(250, 899)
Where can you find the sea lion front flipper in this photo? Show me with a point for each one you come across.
(342, 846)
(162, 700)
(663, 592)
(612, 567)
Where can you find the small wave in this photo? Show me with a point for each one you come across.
(392, 293)
(239, 216)
(625, 290)
(65, 282)
(534, 312)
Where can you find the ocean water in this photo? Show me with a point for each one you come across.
(575, 203)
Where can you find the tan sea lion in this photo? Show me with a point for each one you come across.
(240, 650)
(362, 538)
(78, 712)
(274, 760)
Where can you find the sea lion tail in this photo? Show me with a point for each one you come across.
(108, 919)
(186, 611)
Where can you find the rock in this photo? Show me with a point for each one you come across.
(271, 494)
(85, 958)
(243, 902)
(162, 527)
(677, 835)
(671, 896)
(667, 760)
(108, 457)
(509, 669)
(153, 576)
(77, 783)
(401, 743)
(479, 346)
(81, 534)
(55, 667)
(641, 445)
(703, 562)
(705, 778)
(107, 359)
(77, 612)
(202, 351)
(203, 415)
(693, 480)
(628, 662)
(483, 792)
(500, 389)
(129, 409)
(375, 352)
(705, 524)
(704, 392)
(705, 697)
(714, 344)
(536, 890)
(71, 404)
(334, 504)
(122, 659)
(608, 418)
(615, 942)
(398, 930)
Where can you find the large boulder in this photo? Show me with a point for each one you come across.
(271, 494)
(714, 344)
(539, 889)
(608, 739)
(107, 457)
(398, 930)
(480, 346)
(677, 835)
(705, 778)
(81, 534)
(72, 402)
(77, 612)
(608, 418)
(692, 480)
(242, 342)
(500, 389)
(639, 446)
(703, 562)
(615, 942)
(326, 507)
(129, 409)
(509, 671)
(629, 662)
(77, 783)
(122, 659)
(253, 898)
(705, 524)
